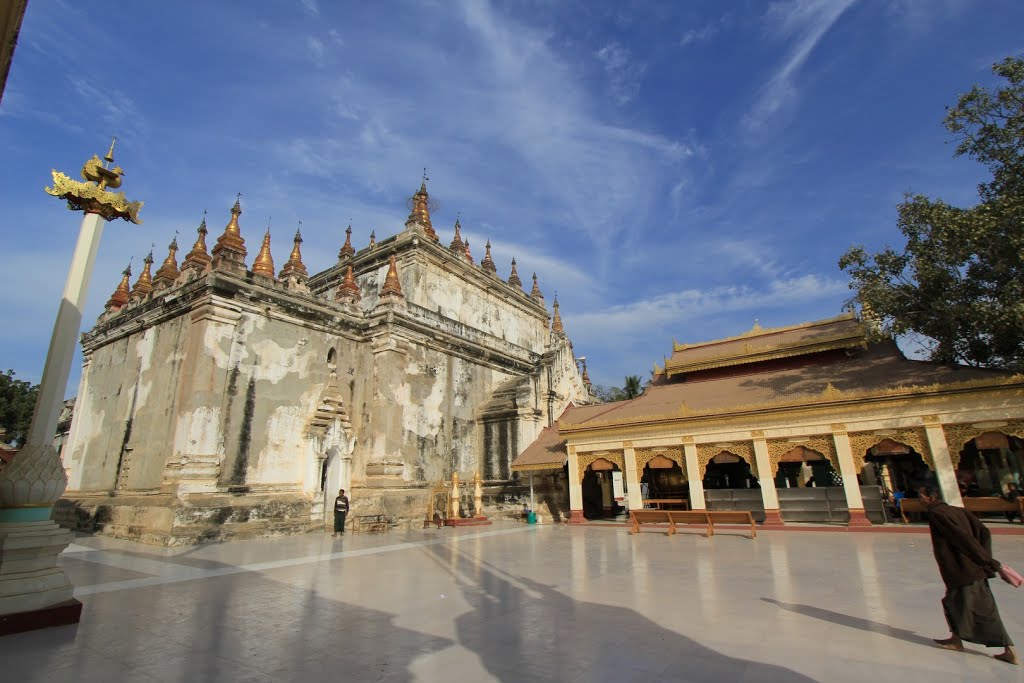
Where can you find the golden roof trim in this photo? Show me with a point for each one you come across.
(829, 395)
(842, 341)
(758, 331)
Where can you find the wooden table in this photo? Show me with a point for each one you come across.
(666, 503)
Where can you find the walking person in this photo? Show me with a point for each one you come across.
(963, 551)
(340, 510)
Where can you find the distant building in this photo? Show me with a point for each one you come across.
(227, 398)
(813, 422)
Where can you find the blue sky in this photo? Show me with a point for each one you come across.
(673, 170)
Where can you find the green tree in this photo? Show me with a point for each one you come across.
(17, 401)
(959, 281)
(633, 387)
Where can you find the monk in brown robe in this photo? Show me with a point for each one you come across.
(963, 551)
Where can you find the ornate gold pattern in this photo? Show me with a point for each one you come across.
(757, 433)
(627, 444)
(587, 459)
(93, 196)
(707, 451)
(957, 435)
(823, 444)
(645, 455)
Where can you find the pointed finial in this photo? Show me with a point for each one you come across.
(120, 296)
(144, 285)
(513, 278)
(198, 258)
(168, 271)
(347, 249)
(110, 154)
(420, 214)
(229, 252)
(466, 253)
(348, 291)
(295, 267)
(535, 292)
(392, 287)
(373, 238)
(264, 263)
(488, 263)
(457, 246)
(556, 320)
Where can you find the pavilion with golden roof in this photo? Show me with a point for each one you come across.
(812, 422)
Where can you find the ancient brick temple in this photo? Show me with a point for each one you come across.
(221, 400)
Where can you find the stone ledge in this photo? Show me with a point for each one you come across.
(61, 614)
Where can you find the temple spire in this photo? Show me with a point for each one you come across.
(264, 263)
(488, 263)
(294, 267)
(556, 320)
(466, 253)
(198, 258)
(373, 239)
(347, 249)
(120, 296)
(513, 278)
(535, 292)
(421, 210)
(144, 285)
(229, 252)
(168, 271)
(392, 287)
(457, 246)
(348, 291)
(586, 377)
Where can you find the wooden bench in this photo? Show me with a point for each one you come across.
(991, 504)
(732, 517)
(911, 505)
(638, 517)
(691, 517)
(372, 523)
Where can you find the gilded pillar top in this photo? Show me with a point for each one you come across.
(94, 195)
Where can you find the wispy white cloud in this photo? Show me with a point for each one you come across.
(802, 25)
(311, 7)
(316, 50)
(704, 32)
(624, 72)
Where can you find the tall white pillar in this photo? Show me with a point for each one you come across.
(693, 478)
(944, 471)
(575, 489)
(848, 471)
(633, 497)
(769, 495)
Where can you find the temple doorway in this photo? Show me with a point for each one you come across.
(989, 462)
(598, 496)
(898, 468)
(663, 478)
(729, 471)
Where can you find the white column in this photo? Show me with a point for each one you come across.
(848, 471)
(575, 488)
(693, 477)
(82, 409)
(633, 498)
(764, 476)
(944, 471)
(65, 333)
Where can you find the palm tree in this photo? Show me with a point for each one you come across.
(633, 387)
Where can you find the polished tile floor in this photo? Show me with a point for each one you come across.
(512, 603)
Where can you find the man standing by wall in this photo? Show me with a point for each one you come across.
(340, 510)
(963, 551)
